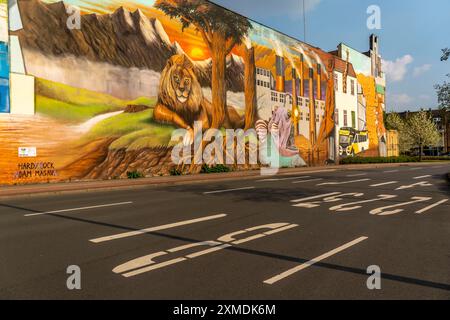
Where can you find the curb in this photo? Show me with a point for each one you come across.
(104, 185)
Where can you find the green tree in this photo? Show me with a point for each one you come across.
(422, 131)
(221, 30)
(395, 122)
(445, 54)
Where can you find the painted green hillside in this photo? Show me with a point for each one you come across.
(74, 105)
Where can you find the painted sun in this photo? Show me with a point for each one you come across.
(197, 53)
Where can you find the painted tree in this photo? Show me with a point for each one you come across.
(221, 30)
(422, 131)
(250, 87)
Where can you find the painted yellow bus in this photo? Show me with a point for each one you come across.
(352, 142)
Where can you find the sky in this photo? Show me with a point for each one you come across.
(412, 34)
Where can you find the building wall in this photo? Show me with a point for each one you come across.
(103, 101)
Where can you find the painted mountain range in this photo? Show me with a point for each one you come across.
(122, 39)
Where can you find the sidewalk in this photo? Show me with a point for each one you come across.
(87, 186)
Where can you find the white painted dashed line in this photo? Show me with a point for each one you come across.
(309, 180)
(391, 171)
(432, 206)
(343, 182)
(413, 169)
(283, 179)
(357, 175)
(422, 177)
(158, 228)
(79, 209)
(384, 184)
(228, 190)
(308, 264)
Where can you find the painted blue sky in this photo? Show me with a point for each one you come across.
(412, 34)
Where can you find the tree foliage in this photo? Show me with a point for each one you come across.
(395, 122)
(208, 19)
(443, 93)
(418, 130)
(422, 130)
(445, 54)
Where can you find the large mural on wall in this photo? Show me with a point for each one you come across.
(109, 94)
(4, 57)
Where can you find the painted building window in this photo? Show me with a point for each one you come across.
(353, 119)
(336, 82)
(352, 84)
(337, 117)
(345, 118)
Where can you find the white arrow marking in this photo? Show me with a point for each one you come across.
(418, 184)
(382, 211)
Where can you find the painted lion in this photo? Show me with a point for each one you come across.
(180, 98)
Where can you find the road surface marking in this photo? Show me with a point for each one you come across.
(438, 167)
(418, 184)
(357, 175)
(309, 180)
(229, 190)
(382, 211)
(336, 198)
(154, 229)
(308, 264)
(79, 209)
(355, 205)
(391, 171)
(412, 169)
(422, 177)
(432, 206)
(146, 263)
(283, 179)
(339, 183)
(316, 197)
(384, 184)
(307, 172)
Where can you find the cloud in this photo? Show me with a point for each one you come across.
(418, 71)
(396, 70)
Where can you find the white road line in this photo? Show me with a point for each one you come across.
(432, 206)
(383, 184)
(391, 171)
(422, 177)
(412, 169)
(357, 175)
(79, 209)
(316, 197)
(339, 183)
(308, 264)
(283, 179)
(309, 180)
(154, 229)
(228, 190)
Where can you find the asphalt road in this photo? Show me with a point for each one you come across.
(308, 236)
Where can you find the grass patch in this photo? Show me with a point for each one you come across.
(75, 105)
(134, 131)
(368, 160)
(67, 112)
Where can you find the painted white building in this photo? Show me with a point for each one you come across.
(347, 114)
(269, 97)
